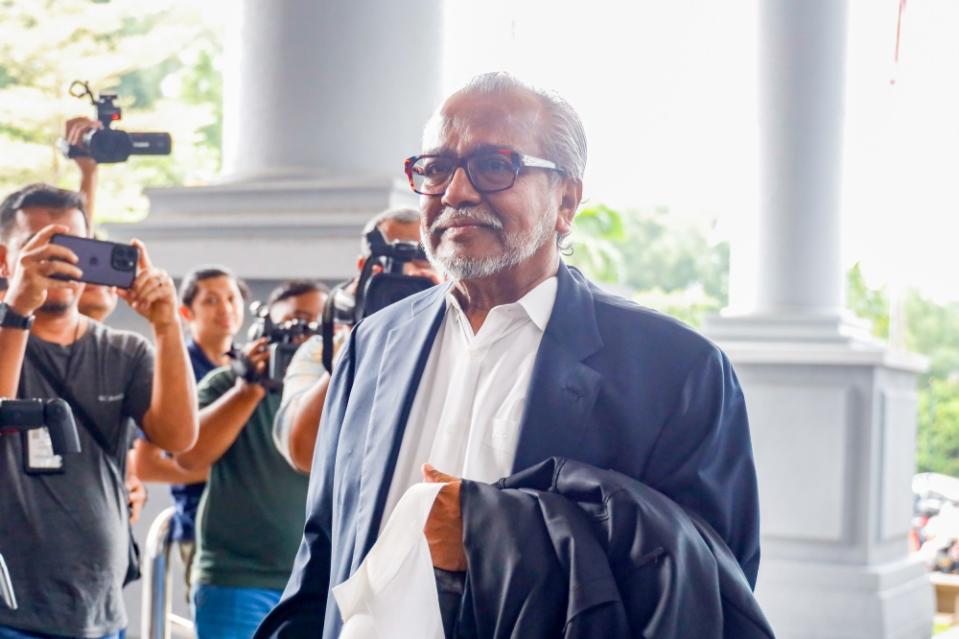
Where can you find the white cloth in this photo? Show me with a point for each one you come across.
(467, 411)
(392, 595)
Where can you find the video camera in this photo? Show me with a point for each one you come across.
(106, 145)
(282, 339)
(26, 414)
(374, 291)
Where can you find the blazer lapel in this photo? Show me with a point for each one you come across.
(563, 389)
(407, 350)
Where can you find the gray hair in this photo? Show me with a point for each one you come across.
(401, 215)
(564, 139)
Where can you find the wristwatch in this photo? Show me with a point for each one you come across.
(9, 318)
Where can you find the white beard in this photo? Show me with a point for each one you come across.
(518, 246)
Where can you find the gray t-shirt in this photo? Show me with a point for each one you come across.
(65, 536)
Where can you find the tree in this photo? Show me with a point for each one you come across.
(667, 264)
(156, 54)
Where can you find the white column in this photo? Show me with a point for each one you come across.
(323, 100)
(802, 84)
(787, 278)
(832, 411)
(328, 88)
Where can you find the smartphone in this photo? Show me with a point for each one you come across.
(107, 263)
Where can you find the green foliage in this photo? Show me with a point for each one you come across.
(672, 266)
(596, 232)
(158, 55)
(937, 445)
(932, 330)
(867, 303)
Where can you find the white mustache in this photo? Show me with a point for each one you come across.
(477, 215)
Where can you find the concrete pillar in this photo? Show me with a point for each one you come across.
(328, 88)
(323, 101)
(833, 411)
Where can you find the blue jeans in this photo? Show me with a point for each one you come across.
(13, 633)
(223, 612)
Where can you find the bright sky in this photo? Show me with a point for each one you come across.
(667, 93)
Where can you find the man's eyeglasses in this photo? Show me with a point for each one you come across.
(487, 171)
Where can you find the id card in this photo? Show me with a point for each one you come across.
(38, 455)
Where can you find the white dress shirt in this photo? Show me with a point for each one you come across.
(467, 411)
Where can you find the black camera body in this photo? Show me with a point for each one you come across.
(27, 414)
(282, 339)
(107, 145)
(374, 291)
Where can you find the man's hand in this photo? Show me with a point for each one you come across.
(152, 294)
(257, 354)
(444, 528)
(38, 263)
(136, 496)
(76, 130)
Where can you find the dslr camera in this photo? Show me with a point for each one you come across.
(26, 414)
(107, 145)
(374, 291)
(282, 340)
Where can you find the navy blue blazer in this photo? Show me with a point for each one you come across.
(614, 385)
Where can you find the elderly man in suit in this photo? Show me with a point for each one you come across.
(517, 358)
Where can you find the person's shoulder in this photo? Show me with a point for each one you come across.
(385, 319)
(219, 375)
(621, 320)
(216, 382)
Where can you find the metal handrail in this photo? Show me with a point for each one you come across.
(158, 580)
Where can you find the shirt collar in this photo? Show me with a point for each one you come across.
(538, 302)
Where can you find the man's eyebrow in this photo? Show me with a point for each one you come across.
(480, 148)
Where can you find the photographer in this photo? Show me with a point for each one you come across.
(64, 527)
(211, 306)
(251, 518)
(304, 388)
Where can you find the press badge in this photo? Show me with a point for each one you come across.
(38, 455)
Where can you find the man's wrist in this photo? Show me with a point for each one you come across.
(15, 316)
(167, 329)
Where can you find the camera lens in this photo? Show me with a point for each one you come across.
(123, 258)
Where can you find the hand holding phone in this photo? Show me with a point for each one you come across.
(106, 263)
(152, 294)
(41, 266)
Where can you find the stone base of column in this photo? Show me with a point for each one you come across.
(827, 327)
(810, 600)
(833, 425)
(271, 230)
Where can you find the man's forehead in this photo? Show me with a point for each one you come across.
(466, 121)
(30, 221)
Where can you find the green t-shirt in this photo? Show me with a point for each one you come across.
(251, 516)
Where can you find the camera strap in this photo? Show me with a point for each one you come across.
(329, 324)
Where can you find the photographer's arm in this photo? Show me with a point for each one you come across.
(171, 420)
(305, 413)
(304, 393)
(226, 410)
(76, 129)
(152, 464)
(37, 263)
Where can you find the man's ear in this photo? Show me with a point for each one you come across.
(186, 313)
(4, 271)
(571, 193)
